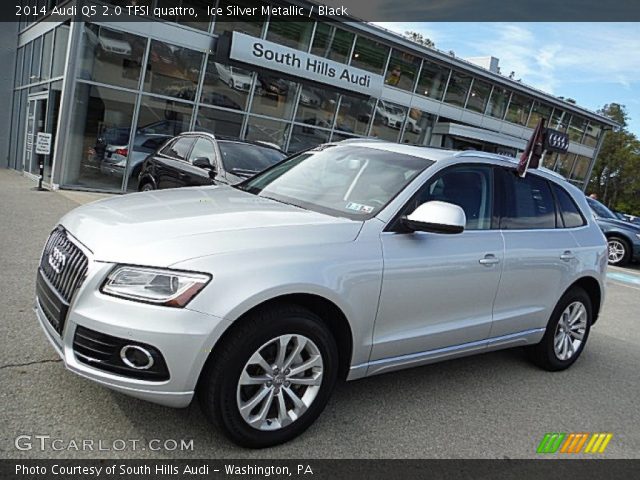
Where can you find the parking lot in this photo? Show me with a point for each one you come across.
(495, 405)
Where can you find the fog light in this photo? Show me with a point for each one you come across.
(136, 357)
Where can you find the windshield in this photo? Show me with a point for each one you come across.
(347, 181)
(600, 209)
(244, 158)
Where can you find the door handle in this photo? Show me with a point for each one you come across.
(489, 259)
(566, 256)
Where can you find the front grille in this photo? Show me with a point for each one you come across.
(63, 264)
(63, 267)
(102, 351)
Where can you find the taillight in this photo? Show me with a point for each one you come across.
(122, 151)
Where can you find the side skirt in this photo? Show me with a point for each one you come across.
(383, 365)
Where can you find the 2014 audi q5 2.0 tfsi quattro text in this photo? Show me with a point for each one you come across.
(345, 261)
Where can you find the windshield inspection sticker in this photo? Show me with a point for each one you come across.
(357, 207)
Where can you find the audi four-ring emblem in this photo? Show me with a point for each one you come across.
(57, 260)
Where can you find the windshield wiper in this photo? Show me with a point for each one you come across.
(243, 172)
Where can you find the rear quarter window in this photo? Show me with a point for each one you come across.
(569, 211)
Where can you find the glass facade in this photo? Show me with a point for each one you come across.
(131, 92)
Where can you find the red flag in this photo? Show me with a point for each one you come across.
(530, 158)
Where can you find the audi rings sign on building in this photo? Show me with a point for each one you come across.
(556, 141)
(57, 260)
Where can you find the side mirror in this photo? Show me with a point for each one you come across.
(205, 163)
(436, 217)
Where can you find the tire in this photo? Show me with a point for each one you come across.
(619, 252)
(147, 187)
(221, 394)
(545, 354)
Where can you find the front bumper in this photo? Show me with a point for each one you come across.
(184, 337)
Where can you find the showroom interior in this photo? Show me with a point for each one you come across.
(122, 88)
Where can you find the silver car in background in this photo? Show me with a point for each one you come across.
(342, 262)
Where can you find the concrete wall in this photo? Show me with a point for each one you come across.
(8, 49)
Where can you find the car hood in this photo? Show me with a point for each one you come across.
(164, 227)
(620, 224)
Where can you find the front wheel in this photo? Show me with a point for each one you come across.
(271, 378)
(566, 333)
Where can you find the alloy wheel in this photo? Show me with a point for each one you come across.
(617, 251)
(570, 331)
(280, 382)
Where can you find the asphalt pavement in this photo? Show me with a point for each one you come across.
(495, 405)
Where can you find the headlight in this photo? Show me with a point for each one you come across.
(170, 288)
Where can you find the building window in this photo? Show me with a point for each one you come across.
(265, 130)
(402, 70)
(226, 86)
(34, 77)
(519, 109)
(47, 52)
(458, 88)
(26, 67)
(581, 168)
(559, 120)
(238, 23)
(370, 55)
(100, 125)
(274, 96)
(317, 106)
(388, 120)
(172, 71)
(304, 137)
(564, 163)
(354, 114)
(219, 122)
(418, 128)
(497, 105)
(19, 61)
(290, 34)
(592, 134)
(159, 116)
(479, 96)
(433, 80)
(539, 110)
(332, 43)
(60, 51)
(111, 57)
(576, 128)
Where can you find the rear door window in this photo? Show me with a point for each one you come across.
(528, 203)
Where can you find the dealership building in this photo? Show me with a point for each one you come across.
(117, 89)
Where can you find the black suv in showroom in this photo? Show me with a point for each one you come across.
(200, 158)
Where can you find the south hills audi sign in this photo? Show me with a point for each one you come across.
(271, 56)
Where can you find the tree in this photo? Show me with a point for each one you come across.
(616, 174)
(420, 39)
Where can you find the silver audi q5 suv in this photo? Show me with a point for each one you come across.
(341, 262)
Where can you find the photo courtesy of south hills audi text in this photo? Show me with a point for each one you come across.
(115, 470)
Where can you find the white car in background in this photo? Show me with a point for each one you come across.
(235, 77)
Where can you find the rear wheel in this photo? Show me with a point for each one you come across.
(271, 378)
(147, 187)
(567, 332)
(619, 251)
